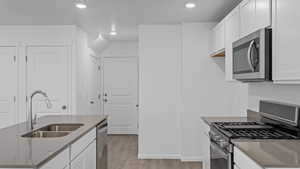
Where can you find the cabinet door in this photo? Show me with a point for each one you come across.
(8, 89)
(232, 33)
(95, 87)
(286, 37)
(48, 69)
(60, 161)
(86, 159)
(78, 162)
(90, 156)
(263, 13)
(218, 37)
(247, 15)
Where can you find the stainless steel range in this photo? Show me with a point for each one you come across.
(278, 121)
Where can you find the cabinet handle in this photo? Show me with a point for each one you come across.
(64, 107)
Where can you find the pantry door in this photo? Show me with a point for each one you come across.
(8, 85)
(120, 94)
(48, 69)
(95, 86)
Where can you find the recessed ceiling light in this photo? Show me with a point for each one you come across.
(81, 5)
(113, 33)
(190, 5)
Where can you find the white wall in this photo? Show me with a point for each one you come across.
(180, 83)
(60, 34)
(204, 90)
(121, 49)
(24, 35)
(160, 66)
(83, 64)
(269, 91)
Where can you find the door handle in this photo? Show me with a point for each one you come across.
(105, 100)
(249, 55)
(64, 107)
(92, 102)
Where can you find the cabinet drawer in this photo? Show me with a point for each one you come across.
(243, 161)
(82, 143)
(60, 161)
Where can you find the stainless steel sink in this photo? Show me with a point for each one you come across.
(53, 130)
(45, 134)
(61, 127)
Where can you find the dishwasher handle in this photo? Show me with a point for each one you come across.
(102, 125)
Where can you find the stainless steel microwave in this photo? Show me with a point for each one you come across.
(252, 57)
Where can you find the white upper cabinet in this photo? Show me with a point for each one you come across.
(218, 44)
(254, 15)
(232, 33)
(286, 37)
(263, 13)
(247, 14)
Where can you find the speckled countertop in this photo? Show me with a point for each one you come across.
(19, 152)
(271, 153)
(266, 153)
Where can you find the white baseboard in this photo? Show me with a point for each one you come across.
(159, 156)
(122, 131)
(192, 159)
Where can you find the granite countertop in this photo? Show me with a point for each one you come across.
(272, 153)
(209, 120)
(20, 152)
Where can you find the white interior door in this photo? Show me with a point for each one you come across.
(95, 87)
(120, 94)
(8, 89)
(48, 69)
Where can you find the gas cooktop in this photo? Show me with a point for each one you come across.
(251, 130)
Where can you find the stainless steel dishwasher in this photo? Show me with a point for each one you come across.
(102, 145)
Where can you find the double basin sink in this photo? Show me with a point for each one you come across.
(53, 130)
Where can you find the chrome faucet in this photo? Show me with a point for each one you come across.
(47, 101)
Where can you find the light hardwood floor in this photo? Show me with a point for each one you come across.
(122, 154)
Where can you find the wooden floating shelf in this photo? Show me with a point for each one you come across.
(220, 53)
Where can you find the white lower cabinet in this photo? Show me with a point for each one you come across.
(242, 161)
(83, 152)
(78, 162)
(61, 161)
(80, 155)
(86, 159)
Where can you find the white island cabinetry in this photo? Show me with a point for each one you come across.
(79, 155)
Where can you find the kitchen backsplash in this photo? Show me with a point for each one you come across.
(269, 91)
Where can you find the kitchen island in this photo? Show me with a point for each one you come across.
(17, 151)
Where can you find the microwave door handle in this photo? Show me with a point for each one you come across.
(249, 55)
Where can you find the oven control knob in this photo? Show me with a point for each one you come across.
(223, 144)
(217, 137)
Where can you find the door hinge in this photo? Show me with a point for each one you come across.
(99, 67)
(15, 99)
(26, 99)
(15, 59)
(26, 59)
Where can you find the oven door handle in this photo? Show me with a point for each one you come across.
(227, 155)
(249, 55)
(219, 149)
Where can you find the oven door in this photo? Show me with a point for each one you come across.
(219, 158)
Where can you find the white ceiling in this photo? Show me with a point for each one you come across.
(101, 14)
